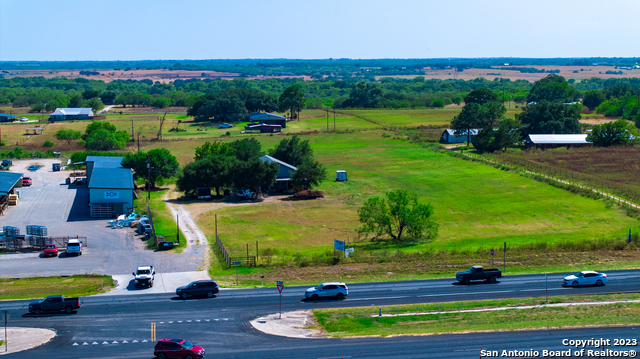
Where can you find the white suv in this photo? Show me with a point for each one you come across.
(330, 289)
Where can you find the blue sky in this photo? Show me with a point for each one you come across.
(68, 30)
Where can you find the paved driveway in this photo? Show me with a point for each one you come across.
(64, 210)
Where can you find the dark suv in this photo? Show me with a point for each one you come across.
(177, 348)
(207, 288)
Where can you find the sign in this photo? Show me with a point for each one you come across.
(236, 263)
(347, 252)
(111, 194)
(338, 245)
(493, 252)
(280, 286)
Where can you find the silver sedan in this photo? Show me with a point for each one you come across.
(585, 278)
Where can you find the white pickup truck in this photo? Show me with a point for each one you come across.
(144, 277)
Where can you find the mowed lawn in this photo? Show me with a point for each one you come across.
(476, 205)
(416, 117)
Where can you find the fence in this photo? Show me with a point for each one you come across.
(21, 242)
(249, 261)
(223, 250)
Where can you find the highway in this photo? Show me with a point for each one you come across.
(119, 326)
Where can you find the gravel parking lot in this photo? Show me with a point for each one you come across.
(64, 210)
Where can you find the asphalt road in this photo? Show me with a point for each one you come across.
(119, 326)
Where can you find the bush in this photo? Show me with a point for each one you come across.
(437, 103)
(47, 144)
(81, 143)
(309, 194)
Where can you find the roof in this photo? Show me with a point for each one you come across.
(67, 111)
(5, 115)
(105, 161)
(267, 158)
(266, 116)
(452, 132)
(116, 178)
(8, 180)
(558, 139)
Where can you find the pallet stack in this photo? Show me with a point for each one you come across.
(13, 200)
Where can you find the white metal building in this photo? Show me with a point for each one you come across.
(66, 114)
(555, 141)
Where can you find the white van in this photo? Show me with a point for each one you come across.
(74, 246)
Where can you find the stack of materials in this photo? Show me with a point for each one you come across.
(13, 199)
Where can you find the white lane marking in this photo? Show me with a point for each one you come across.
(225, 318)
(74, 344)
(376, 298)
(188, 321)
(179, 321)
(85, 343)
(94, 343)
(161, 323)
(145, 341)
(125, 342)
(442, 295)
(105, 342)
(171, 322)
(134, 341)
(542, 289)
(198, 320)
(206, 320)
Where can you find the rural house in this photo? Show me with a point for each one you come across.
(449, 135)
(555, 141)
(67, 114)
(269, 119)
(283, 179)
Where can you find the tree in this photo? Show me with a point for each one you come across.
(97, 125)
(480, 96)
(95, 104)
(76, 101)
(474, 115)
(552, 88)
(438, 103)
(491, 140)
(400, 212)
(364, 95)
(212, 171)
(292, 98)
(108, 97)
(616, 133)
(104, 140)
(247, 148)
(163, 165)
(216, 148)
(67, 135)
(254, 174)
(593, 99)
(550, 118)
(292, 151)
(308, 174)
(90, 94)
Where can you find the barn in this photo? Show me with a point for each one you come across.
(283, 179)
(555, 141)
(449, 135)
(269, 119)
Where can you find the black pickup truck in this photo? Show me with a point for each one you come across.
(478, 273)
(54, 303)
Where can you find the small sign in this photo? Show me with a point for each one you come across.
(111, 195)
(280, 286)
(493, 252)
(347, 252)
(279, 283)
(338, 245)
(236, 263)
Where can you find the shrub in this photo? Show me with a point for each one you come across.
(437, 103)
(309, 194)
(47, 144)
(81, 143)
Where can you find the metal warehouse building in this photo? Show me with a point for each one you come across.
(110, 187)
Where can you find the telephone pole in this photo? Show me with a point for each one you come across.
(149, 178)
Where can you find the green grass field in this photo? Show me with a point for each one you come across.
(163, 222)
(413, 118)
(351, 322)
(40, 287)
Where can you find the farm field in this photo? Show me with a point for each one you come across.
(414, 118)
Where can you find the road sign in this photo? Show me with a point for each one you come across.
(236, 263)
(338, 245)
(280, 288)
(493, 252)
(279, 283)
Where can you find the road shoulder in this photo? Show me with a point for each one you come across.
(20, 339)
(296, 324)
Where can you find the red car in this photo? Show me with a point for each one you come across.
(26, 181)
(50, 250)
(177, 348)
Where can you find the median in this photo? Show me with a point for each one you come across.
(481, 316)
(40, 287)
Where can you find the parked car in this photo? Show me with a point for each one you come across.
(585, 278)
(330, 289)
(225, 125)
(50, 250)
(206, 288)
(54, 303)
(74, 246)
(245, 194)
(177, 348)
(34, 168)
(479, 273)
(26, 181)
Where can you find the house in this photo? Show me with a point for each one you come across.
(449, 135)
(555, 141)
(264, 128)
(66, 114)
(110, 187)
(269, 119)
(7, 118)
(283, 179)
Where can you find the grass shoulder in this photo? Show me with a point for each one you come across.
(40, 287)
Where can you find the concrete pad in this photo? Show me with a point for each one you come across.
(20, 339)
(164, 283)
(291, 325)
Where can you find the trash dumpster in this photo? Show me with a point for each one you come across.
(165, 245)
(56, 167)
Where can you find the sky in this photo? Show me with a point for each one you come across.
(81, 30)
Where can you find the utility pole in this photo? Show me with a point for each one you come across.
(133, 138)
(138, 141)
(149, 178)
(327, 119)
(334, 120)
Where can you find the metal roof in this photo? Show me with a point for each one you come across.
(67, 111)
(117, 178)
(105, 161)
(5, 115)
(8, 180)
(266, 116)
(558, 139)
(267, 158)
(473, 131)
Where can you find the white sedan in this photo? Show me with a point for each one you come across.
(585, 278)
